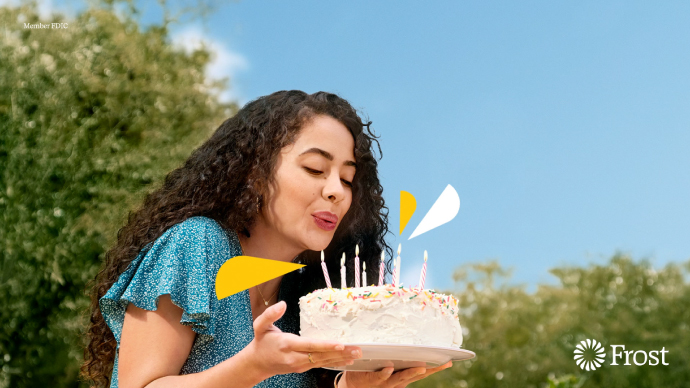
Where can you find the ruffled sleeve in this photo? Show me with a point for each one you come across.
(182, 263)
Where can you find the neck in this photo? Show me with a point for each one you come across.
(266, 243)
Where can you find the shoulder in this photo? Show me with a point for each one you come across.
(202, 230)
(198, 225)
(198, 239)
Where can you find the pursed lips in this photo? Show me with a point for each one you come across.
(326, 216)
(325, 219)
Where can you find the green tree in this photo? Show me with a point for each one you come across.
(91, 118)
(527, 339)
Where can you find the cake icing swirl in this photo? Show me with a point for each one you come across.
(384, 314)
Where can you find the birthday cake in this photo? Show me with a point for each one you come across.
(383, 314)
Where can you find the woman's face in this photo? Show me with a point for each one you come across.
(312, 189)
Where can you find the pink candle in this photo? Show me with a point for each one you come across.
(422, 276)
(395, 272)
(357, 265)
(325, 271)
(381, 268)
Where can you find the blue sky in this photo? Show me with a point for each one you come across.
(564, 126)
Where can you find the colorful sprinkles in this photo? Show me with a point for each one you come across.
(446, 304)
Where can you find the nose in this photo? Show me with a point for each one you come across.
(334, 190)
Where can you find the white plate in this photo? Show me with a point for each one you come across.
(399, 356)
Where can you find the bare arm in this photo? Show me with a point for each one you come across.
(155, 345)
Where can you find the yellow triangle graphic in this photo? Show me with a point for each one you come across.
(408, 204)
(243, 272)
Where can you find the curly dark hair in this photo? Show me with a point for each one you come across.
(225, 179)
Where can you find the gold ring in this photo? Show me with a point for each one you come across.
(311, 359)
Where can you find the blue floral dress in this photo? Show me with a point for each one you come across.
(183, 263)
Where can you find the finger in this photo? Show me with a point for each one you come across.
(428, 372)
(384, 374)
(439, 368)
(336, 356)
(301, 344)
(265, 321)
(411, 380)
(370, 379)
(402, 378)
(322, 358)
(337, 364)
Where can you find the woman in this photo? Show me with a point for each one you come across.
(288, 176)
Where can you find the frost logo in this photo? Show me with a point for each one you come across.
(589, 354)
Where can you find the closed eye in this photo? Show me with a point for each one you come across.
(317, 172)
(312, 171)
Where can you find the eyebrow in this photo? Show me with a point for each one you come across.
(327, 155)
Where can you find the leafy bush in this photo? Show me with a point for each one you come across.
(91, 117)
(525, 339)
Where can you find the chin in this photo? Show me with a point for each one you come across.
(318, 247)
(319, 243)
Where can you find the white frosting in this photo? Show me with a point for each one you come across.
(381, 315)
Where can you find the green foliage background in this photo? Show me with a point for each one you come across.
(527, 339)
(93, 116)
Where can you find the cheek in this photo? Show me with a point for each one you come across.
(296, 193)
(347, 203)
